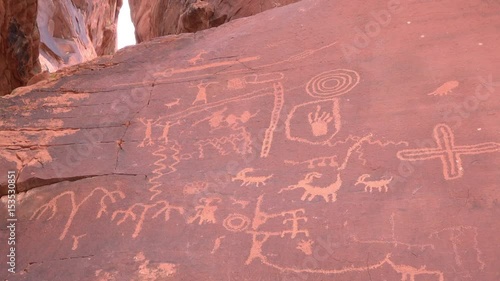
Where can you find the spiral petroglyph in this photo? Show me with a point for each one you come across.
(332, 83)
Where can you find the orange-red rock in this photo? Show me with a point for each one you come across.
(323, 140)
(155, 18)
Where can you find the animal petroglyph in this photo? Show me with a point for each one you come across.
(75, 207)
(329, 193)
(382, 184)
(319, 123)
(205, 213)
(332, 83)
(171, 104)
(165, 209)
(247, 180)
(202, 91)
(444, 89)
(194, 60)
(279, 100)
(446, 150)
(325, 123)
(408, 272)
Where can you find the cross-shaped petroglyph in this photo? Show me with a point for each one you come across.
(75, 207)
(247, 180)
(446, 150)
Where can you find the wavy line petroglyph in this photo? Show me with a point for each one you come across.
(332, 83)
(444, 89)
(75, 207)
(130, 214)
(247, 179)
(238, 142)
(449, 153)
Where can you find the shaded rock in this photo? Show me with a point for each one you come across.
(154, 18)
(19, 39)
(76, 31)
(323, 140)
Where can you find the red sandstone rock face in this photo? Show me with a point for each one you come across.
(345, 142)
(154, 18)
(76, 31)
(18, 43)
(56, 34)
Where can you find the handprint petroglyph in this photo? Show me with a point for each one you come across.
(319, 123)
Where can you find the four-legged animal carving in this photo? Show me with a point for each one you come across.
(329, 193)
(380, 184)
(247, 180)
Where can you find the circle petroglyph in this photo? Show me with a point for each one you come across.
(236, 222)
(332, 83)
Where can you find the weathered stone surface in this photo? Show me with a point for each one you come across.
(155, 18)
(324, 140)
(53, 35)
(76, 31)
(19, 39)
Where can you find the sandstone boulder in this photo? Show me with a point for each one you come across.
(323, 140)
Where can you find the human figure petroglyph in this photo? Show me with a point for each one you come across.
(319, 123)
(205, 213)
(166, 129)
(329, 193)
(75, 207)
(247, 180)
(446, 150)
(202, 91)
(382, 184)
(444, 89)
(148, 140)
(166, 209)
